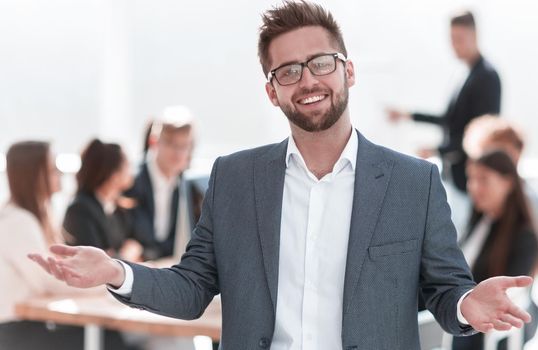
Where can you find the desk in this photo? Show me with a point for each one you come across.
(96, 312)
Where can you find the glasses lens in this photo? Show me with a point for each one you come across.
(322, 65)
(289, 74)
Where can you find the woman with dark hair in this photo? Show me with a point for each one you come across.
(96, 217)
(25, 227)
(501, 239)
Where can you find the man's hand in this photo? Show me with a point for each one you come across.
(396, 115)
(488, 307)
(82, 267)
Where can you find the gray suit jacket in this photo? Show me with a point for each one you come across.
(401, 240)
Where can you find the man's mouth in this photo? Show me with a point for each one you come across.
(311, 99)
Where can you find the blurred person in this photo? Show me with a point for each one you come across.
(480, 94)
(25, 227)
(156, 189)
(96, 216)
(501, 239)
(321, 241)
(488, 133)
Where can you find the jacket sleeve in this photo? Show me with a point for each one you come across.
(428, 118)
(184, 290)
(445, 275)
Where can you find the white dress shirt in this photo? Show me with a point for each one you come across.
(316, 217)
(163, 188)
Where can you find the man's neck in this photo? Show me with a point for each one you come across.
(321, 150)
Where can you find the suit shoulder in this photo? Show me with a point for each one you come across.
(247, 156)
(404, 160)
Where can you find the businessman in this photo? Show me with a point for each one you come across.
(321, 241)
(479, 94)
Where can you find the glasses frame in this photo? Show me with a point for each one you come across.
(336, 55)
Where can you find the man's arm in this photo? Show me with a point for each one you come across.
(182, 291)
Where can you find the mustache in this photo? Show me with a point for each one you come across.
(306, 91)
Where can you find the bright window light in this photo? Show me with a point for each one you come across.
(68, 162)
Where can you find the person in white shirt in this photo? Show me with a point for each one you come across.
(157, 185)
(322, 241)
(25, 227)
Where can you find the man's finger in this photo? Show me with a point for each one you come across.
(515, 322)
(63, 250)
(519, 313)
(511, 282)
(39, 259)
(501, 326)
(55, 269)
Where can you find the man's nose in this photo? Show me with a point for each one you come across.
(308, 79)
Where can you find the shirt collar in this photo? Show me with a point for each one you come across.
(156, 175)
(349, 154)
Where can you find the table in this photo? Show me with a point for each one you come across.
(99, 311)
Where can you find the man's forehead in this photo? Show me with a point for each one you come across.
(299, 45)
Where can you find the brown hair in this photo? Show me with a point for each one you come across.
(98, 162)
(27, 165)
(464, 18)
(516, 213)
(293, 15)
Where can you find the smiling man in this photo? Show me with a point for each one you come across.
(322, 241)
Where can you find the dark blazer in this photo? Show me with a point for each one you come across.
(143, 214)
(522, 255)
(479, 95)
(401, 240)
(86, 222)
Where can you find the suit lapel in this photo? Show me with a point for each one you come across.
(269, 173)
(372, 175)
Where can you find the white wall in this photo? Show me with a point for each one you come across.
(75, 69)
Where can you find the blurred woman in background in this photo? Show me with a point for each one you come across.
(25, 227)
(501, 239)
(97, 216)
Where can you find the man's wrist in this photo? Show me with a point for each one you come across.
(119, 274)
(461, 317)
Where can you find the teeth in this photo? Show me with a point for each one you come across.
(312, 99)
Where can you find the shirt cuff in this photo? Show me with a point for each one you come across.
(461, 319)
(127, 287)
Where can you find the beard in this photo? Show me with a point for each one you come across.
(327, 119)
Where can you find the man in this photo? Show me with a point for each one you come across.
(321, 241)
(157, 185)
(480, 94)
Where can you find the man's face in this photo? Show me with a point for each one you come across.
(463, 41)
(174, 149)
(314, 103)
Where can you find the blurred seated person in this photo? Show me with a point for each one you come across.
(488, 133)
(26, 227)
(96, 216)
(156, 188)
(501, 238)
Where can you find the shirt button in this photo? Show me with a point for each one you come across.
(264, 343)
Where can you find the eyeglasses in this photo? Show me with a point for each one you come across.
(291, 73)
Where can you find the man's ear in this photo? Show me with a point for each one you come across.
(350, 73)
(271, 93)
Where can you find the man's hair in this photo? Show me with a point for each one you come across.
(464, 18)
(293, 15)
(490, 128)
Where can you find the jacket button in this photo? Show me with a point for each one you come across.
(264, 343)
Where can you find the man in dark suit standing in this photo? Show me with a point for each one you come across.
(480, 94)
(156, 189)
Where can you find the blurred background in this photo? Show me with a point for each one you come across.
(73, 70)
